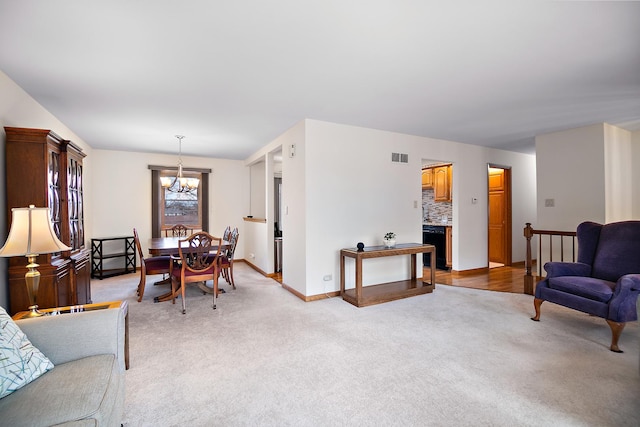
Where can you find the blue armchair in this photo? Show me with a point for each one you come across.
(605, 281)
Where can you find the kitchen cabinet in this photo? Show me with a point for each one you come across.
(442, 183)
(448, 245)
(45, 170)
(427, 178)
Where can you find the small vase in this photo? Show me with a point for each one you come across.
(389, 243)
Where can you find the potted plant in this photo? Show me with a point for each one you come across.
(390, 239)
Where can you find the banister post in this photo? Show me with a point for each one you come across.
(528, 278)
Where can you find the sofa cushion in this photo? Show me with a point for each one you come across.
(84, 389)
(20, 361)
(587, 287)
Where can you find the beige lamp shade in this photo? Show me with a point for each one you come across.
(31, 233)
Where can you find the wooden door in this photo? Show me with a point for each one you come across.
(499, 232)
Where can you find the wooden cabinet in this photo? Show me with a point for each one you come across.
(448, 246)
(427, 178)
(46, 171)
(442, 183)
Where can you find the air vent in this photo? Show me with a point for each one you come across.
(399, 158)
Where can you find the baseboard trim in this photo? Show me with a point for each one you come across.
(304, 298)
(471, 271)
(255, 267)
(310, 298)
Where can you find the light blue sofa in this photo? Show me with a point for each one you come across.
(86, 387)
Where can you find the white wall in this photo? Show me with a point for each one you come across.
(294, 196)
(257, 208)
(571, 170)
(353, 192)
(618, 162)
(635, 174)
(591, 172)
(18, 109)
(121, 194)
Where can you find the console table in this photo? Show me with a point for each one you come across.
(375, 294)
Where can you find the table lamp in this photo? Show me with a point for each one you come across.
(31, 234)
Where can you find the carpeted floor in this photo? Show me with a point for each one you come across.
(456, 357)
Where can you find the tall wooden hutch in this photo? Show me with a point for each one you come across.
(46, 171)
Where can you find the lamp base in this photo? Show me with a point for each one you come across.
(34, 312)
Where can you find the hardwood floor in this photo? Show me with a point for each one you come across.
(501, 279)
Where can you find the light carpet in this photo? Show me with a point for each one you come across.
(456, 357)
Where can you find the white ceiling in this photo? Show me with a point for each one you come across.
(233, 75)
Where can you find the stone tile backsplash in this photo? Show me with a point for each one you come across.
(433, 211)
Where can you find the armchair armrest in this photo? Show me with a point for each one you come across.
(622, 307)
(627, 283)
(72, 336)
(557, 269)
(634, 279)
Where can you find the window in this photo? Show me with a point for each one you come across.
(181, 208)
(168, 209)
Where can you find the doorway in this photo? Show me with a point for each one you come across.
(499, 224)
(277, 226)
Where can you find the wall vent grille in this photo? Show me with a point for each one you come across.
(399, 158)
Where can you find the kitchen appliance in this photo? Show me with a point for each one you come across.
(435, 235)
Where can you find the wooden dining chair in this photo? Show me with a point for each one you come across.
(149, 265)
(178, 230)
(226, 260)
(227, 233)
(196, 264)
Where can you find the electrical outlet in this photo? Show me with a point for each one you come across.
(252, 256)
(327, 277)
(549, 203)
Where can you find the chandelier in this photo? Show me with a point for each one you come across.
(180, 184)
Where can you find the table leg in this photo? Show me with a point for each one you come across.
(168, 296)
(341, 275)
(433, 267)
(413, 267)
(358, 280)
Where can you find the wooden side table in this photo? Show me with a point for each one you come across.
(375, 294)
(89, 307)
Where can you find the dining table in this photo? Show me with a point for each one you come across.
(169, 246)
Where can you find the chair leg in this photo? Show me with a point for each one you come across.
(141, 285)
(215, 288)
(537, 302)
(184, 309)
(616, 330)
(230, 273)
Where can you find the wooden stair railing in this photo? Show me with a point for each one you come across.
(559, 236)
